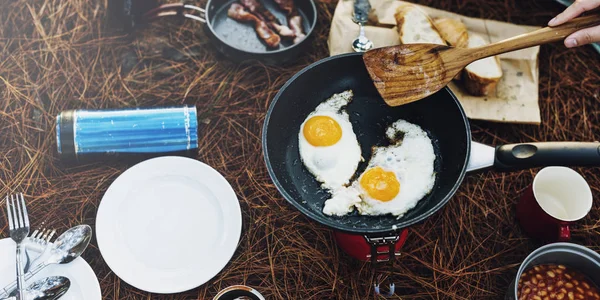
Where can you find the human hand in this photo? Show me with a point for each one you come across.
(584, 36)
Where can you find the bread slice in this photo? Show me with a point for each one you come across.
(452, 31)
(415, 26)
(481, 77)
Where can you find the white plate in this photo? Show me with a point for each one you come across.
(84, 283)
(168, 224)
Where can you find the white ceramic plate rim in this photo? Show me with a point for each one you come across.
(87, 281)
(173, 165)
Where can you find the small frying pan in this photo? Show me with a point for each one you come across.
(441, 115)
(237, 41)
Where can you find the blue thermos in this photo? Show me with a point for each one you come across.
(145, 132)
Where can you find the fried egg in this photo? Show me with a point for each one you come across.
(396, 179)
(327, 143)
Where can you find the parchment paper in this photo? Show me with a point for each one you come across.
(516, 96)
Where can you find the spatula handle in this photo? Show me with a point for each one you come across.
(535, 38)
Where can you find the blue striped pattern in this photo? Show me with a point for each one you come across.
(58, 144)
(136, 130)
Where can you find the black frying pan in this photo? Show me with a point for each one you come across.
(238, 41)
(441, 115)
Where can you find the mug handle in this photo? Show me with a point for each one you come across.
(564, 233)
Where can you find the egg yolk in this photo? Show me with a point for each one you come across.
(380, 184)
(322, 131)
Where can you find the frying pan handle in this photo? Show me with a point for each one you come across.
(531, 155)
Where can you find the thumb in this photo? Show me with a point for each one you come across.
(583, 37)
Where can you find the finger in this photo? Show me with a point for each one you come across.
(583, 37)
(576, 9)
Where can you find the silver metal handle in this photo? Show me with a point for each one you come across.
(361, 30)
(376, 242)
(389, 243)
(481, 157)
(20, 281)
(176, 9)
(7, 290)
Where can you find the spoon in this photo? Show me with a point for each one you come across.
(49, 288)
(361, 16)
(410, 72)
(67, 247)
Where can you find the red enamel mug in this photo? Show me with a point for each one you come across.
(557, 198)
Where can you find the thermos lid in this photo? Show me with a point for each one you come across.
(65, 140)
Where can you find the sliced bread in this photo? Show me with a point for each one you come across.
(415, 26)
(452, 31)
(481, 77)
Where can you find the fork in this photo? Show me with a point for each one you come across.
(18, 222)
(42, 238)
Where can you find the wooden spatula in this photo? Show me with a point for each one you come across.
(410, 72)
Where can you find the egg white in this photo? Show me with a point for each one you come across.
(333, 165)
(411, 159)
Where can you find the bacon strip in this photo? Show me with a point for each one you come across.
(237, 12)
(256, 8)
(294, 18)
(287, 6)
(264, 14)
(297, 28)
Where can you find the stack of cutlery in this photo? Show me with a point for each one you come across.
(66, 248)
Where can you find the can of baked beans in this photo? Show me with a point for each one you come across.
(558, 271)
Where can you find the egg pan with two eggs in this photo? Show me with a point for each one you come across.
(440, 115)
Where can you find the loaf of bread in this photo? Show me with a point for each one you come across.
(481, 77)
(415, 26)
